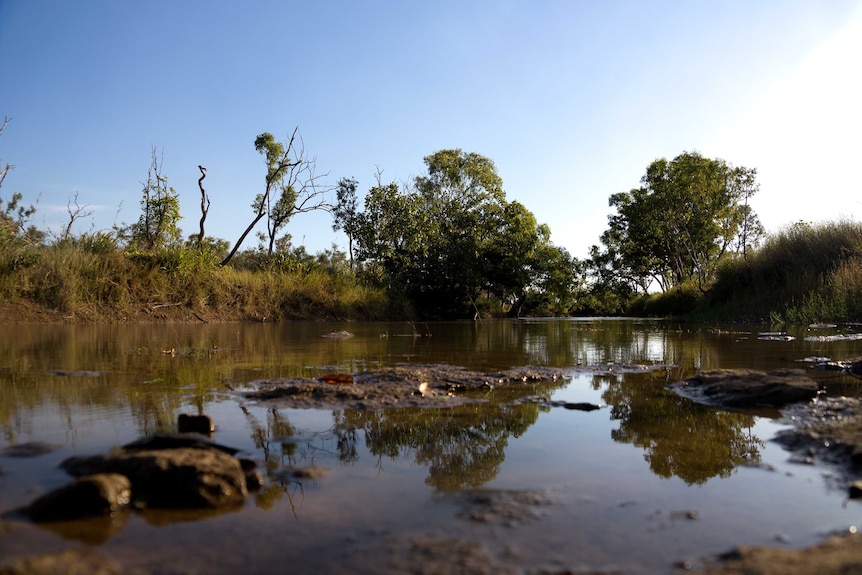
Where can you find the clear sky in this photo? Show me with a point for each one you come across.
(571, 99)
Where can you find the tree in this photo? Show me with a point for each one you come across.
(291, 175)
(75, 214)
(15, 217)
(158, 225)
(453, 237)
(681, 221)
(205, 205)
(345, 214)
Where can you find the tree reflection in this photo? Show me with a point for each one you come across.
(679, 438)
(462, 446)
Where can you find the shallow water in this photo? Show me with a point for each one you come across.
(648, 480)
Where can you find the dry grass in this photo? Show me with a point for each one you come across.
(89, 279)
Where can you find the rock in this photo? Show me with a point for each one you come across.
(313, 472)
(581, 406)
(30, 449)
(401, 386)
(100, 494)
(202, 424)
(253, 477)
(746, 388)
(182, 477)
(855, 490)
(155, 442)
(67, 562)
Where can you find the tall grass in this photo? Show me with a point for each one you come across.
(803, 273)
(90, 279)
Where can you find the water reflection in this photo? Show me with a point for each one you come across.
(56, 381)
(679, 438)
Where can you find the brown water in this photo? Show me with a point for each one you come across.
(648, 480)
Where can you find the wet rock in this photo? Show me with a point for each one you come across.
(202, 424)
(413, 386)
(87, 496)
(156, 442)
(180, 477)
(313, 472)
(67, 562)
(828, 430)
(746, 388)
(580, 406)
(253, 477)
(30, 449)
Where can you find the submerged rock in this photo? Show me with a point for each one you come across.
(100, 494)
(747, 388)
(29, 449)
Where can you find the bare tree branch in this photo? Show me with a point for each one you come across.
(75, 214)
(8, 167)
(205, 203)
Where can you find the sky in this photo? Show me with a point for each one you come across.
(571, 99)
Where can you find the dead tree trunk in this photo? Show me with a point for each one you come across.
(205, 203)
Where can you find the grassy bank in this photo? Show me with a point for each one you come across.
(804, 273)
(91, 279)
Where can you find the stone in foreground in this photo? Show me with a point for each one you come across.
(172, 478)
(100, 494)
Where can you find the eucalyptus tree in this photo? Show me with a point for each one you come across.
(680, 222)
(291, 187)
(452, 236)
(345, 213)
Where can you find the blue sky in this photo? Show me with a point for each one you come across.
(571, 99)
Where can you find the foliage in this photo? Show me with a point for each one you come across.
(676, 227)
(158, 225)
(291, 187)
(453, 237)
(345, 213)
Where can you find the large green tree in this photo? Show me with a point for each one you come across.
(452, 237)
(686, 215)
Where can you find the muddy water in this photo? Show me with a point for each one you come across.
(647, 481)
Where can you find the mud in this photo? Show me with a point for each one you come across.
(414, 386)
(839, 555)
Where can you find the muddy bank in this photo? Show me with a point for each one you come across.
(839, 555)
